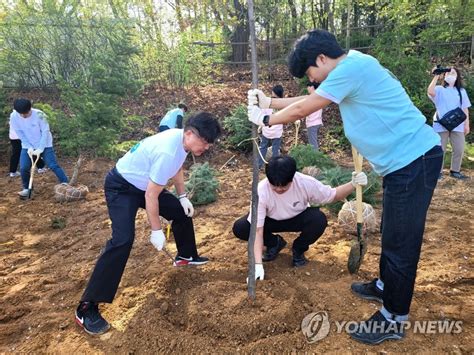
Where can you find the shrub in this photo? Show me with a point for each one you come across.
(305, 155)
(239, 129)
(202, 184)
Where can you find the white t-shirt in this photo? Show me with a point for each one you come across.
(157, 158)
(272, 132)
(32, 131)
(447, 99)
(12, 134)
(303, 191)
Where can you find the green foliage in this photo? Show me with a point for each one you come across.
(120, 149)
(338, 176)
(305, 155)
(239, 129)
(202, 184)
(336, 139)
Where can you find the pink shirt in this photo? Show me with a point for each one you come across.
(272, 132)
(314, 119)
(303, 191)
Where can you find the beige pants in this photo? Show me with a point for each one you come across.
(457, 141)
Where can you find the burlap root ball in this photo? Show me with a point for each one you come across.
(67, 193)
(347, 218)
(311, 171)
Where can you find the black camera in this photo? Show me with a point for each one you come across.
(440, 70)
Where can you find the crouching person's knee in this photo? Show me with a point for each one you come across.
(241, 228)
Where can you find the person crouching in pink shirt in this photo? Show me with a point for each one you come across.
(284, 199)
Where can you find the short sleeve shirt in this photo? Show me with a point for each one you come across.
(447, 99)
(157, 158)
(379, 118)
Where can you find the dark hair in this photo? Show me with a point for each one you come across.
(206, 126)
(22, 105)
(458, 84)
(184, 107)
(280, 170)
(308, 47)
(278, 90)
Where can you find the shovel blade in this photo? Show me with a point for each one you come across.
(355, 258)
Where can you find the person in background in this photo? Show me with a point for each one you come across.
(446, 97)
(32, 128)
(173, 118)
(313, 123)
(271, 134)
(15, 143)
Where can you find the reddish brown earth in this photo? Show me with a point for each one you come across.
(160, 308)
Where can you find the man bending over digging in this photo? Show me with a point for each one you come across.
(138, 181)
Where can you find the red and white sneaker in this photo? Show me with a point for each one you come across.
(182, 261)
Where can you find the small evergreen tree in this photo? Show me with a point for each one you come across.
(305, 155)
(202, 184)
(240, 129)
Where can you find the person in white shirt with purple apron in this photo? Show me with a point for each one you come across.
(138, 181)
(447, 97)
(271, 134)
(284, 205)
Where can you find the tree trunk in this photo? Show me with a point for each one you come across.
(240, 35)
(294, 18)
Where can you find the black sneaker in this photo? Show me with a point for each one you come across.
(368, 290)
(89, 318)
(299, 259)
(376, 330)
(272, 252)
(182, 261)
(458, 175)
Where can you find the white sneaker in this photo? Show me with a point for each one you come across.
(42, 170)
(15, 174)
(23, 193)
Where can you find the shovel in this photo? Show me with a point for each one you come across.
(34, 161)
(359, 247)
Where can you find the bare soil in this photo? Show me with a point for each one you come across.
(161, 308)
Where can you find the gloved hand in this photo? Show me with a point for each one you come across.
(37, 151)
(187, 206)
(298, 124)
(359, 179)
(257, 97)
(259, 272)
(30, 151)
(255, 115)
(158, 239)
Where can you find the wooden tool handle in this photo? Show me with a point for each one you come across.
(358, 168)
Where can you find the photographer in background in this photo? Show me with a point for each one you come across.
(446, 97)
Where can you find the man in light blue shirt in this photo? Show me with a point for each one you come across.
(391, 133)
(173, 118)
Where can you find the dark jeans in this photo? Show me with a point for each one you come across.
(407, 195)
(15, 156)
(123, 201)
(276, 144)
(50, 159)
(311, 223)
(163, 128)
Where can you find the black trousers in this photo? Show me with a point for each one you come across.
(15, 156)
(123, 202)
(311, 223)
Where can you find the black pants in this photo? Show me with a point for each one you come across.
(311, 223)
(163, 128)
(15, 156)
(123, 202)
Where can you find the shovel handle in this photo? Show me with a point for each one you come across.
(358, 168)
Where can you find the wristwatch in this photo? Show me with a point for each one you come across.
(266, 120)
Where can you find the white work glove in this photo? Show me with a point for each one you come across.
(257, 97)
(30, 151)
(187, 206)
(259, 272)
(158, 239)
(359, 179)
(255, 115)
(37, 151)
